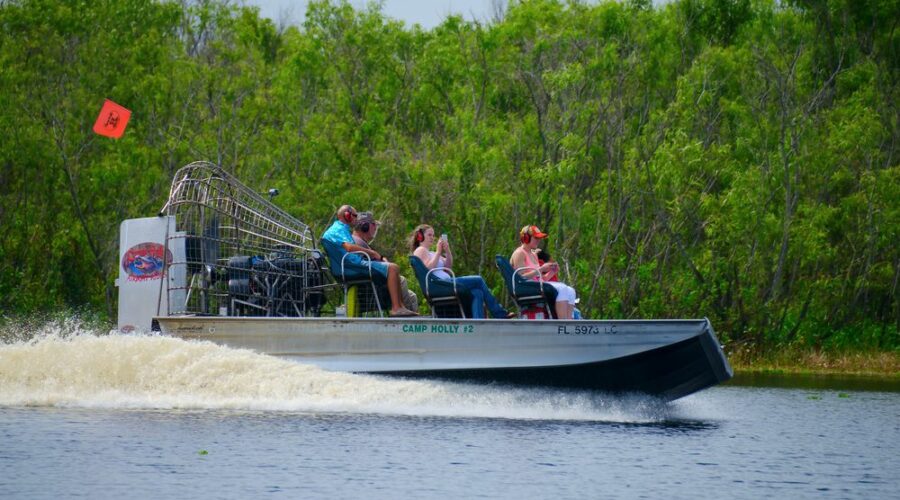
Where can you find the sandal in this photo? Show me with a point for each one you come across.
(402, 313)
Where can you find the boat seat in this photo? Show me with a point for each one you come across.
(442, 295)
(372, 293)
(526, 293)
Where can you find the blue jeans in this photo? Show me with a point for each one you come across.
(481, 295)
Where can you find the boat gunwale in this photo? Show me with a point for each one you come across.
(341, 319)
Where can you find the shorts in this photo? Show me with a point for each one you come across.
(564, 293)
(380, 269)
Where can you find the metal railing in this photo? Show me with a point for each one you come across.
(239, 254)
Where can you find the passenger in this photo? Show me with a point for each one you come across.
(544, 257)
(524, 256)
(365, 228)
(339, 233)
(422, 239)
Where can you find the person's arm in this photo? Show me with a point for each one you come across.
(547, 270)
(448, 255)
(552, 270)
(351, 247)
(519, 259)
(383, 258)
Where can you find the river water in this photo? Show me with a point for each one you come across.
(97, 416)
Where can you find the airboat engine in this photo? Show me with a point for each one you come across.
(217, 248)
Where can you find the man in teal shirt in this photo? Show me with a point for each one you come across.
(341, 235)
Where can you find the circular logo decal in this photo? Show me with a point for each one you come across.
(144, 261)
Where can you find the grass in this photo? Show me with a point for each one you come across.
(813, 362)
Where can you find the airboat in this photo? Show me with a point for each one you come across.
(222, 263)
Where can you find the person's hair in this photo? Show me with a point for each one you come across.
(413, 240)
(543, 255)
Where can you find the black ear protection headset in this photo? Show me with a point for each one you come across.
(364, 227)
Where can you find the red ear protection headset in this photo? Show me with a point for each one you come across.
(420, 235)
(349, 215)
(525, 237)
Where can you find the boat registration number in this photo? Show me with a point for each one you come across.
(426, 328)
(586, 330)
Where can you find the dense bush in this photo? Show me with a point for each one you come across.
(731, 159)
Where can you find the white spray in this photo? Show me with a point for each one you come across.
(69, 366)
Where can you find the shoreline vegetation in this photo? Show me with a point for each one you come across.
(736, 160)
(809, 362)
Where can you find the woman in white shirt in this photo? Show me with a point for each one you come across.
(420, 243)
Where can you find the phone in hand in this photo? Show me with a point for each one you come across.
(444, 237)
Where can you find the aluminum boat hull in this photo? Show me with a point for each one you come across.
(668, 359)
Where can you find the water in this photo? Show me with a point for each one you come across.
(83, 415)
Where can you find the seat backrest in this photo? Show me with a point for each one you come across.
(335, 254)
(420, 270)
(506, 271)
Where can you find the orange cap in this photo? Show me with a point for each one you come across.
(532, 231)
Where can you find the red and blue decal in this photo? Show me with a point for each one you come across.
(144, 261)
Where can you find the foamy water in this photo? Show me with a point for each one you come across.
(67, 365)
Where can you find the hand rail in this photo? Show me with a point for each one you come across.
(368, 263)
(446, 270)
(539, 280)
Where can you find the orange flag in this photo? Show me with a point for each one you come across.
(112, 120)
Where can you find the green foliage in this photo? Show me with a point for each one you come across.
(730, 159)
